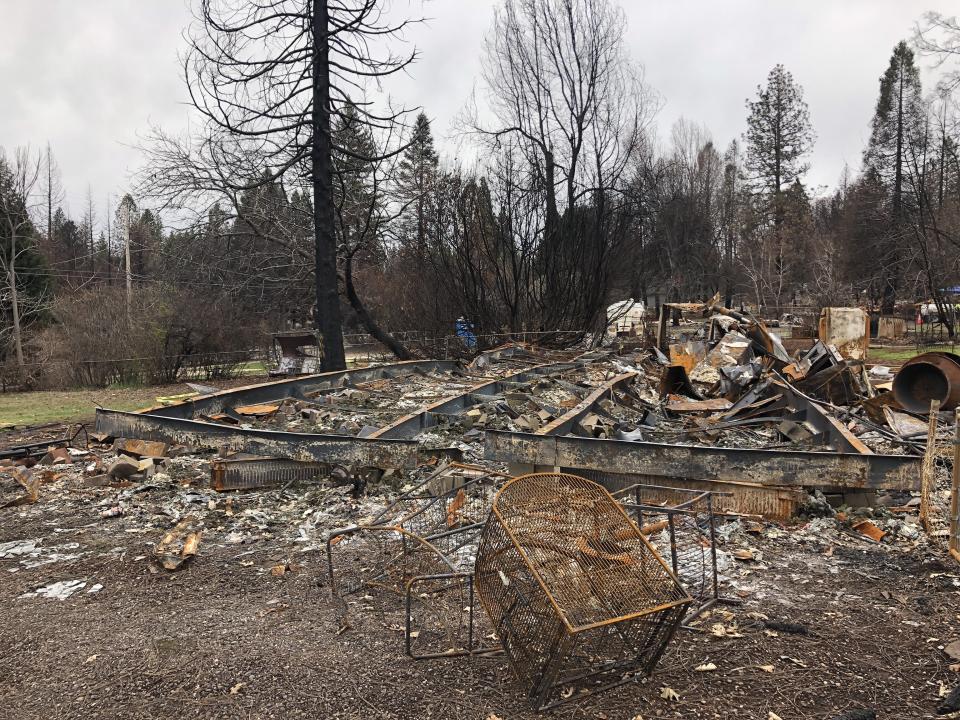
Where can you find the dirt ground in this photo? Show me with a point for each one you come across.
(224, 638)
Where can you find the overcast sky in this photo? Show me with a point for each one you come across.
(89, 75)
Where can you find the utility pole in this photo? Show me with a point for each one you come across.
(125, 218)
(49, 195)
(91, 259)
(109, 243)
(126, 252)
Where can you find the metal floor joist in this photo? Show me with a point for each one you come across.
(696, 462)
(762, 481)
(175, 423)
(410, 425)
(332, 449)
(298, 387)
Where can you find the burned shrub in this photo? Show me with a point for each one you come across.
(168, 334)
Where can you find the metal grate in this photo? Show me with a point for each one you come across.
(262, 472)
(774, 503)
(577, 595)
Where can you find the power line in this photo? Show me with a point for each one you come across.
(81, 274)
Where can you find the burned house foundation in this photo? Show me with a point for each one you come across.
(570, 515)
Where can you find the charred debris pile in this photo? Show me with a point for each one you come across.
(716, 404)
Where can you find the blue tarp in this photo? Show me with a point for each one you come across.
(465, 330)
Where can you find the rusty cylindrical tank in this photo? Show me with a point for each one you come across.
(931, 376)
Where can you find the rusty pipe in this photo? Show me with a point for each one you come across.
(931, 376)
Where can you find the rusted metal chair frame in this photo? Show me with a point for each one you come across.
(634, 639)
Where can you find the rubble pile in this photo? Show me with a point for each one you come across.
(726, 382)
(347, 411)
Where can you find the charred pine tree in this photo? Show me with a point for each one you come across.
(271, 78)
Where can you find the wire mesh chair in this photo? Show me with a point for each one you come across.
(578, 597)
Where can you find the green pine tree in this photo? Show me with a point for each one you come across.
(778, 136)
(897, 130)
(416, 184)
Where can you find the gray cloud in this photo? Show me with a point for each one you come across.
(89, 76)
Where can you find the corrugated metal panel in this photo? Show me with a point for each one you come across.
(264, 472)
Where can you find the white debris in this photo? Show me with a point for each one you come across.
(58, 590)
(16, 548)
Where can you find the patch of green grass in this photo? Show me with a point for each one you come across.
(37, 408)
(899, 355)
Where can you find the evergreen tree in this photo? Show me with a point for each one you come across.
(416, 183)
(356, 196)
(897, 124)
(145, 238)
(897, 130)
(778, 135)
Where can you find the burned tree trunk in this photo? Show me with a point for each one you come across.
(325, 244)
(378, 333)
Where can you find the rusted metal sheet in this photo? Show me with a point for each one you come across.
(333, 449)
(410, 425)
(763, 467)
(256, 410)
(140, 448)
(688, 354)
(250, 473)
(677, 403)
(271, 392)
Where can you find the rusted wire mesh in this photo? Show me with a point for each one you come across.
(432, 529)
(680, 524)
(929, 470)
(578, 597)
(443, 620)
(939, 480)
(454, 497)
(380, 558)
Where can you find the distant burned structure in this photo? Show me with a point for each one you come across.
(296, 352)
